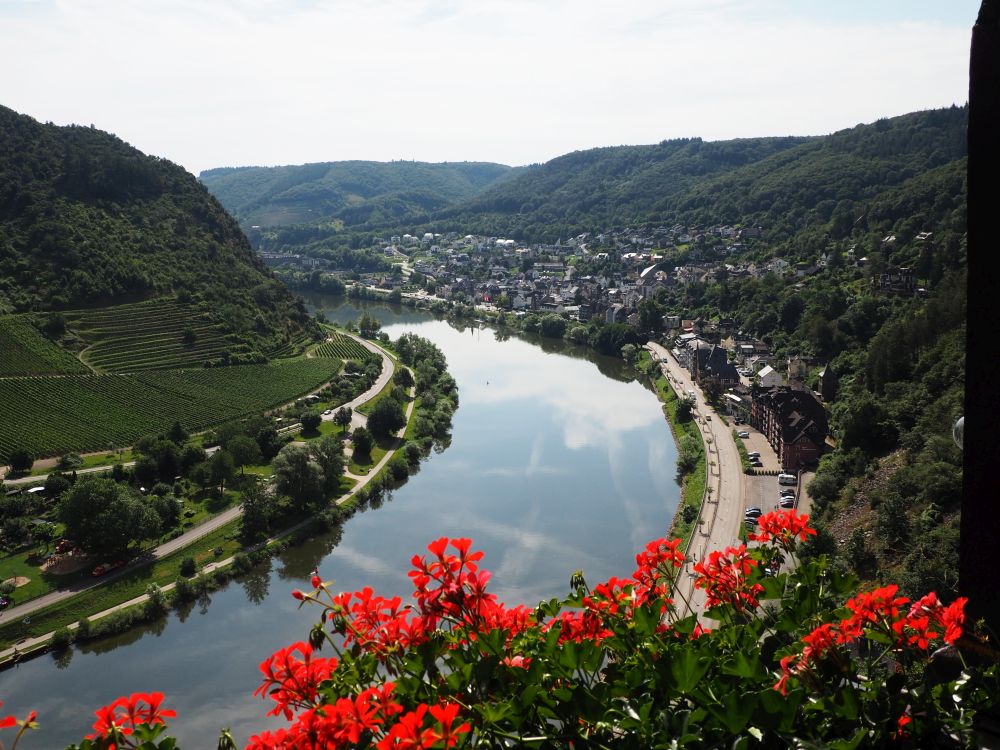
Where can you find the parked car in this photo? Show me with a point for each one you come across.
(753, 454)
(750, 523)
(787, 492)
(756, 463)
(787, 479)
(753, 512)
(786, 502)
(743, 434)
(99, 570)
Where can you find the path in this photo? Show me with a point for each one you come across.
(21, 611)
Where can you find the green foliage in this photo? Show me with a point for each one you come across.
(362, 441)
(311, 421)
(386, 418)
(353, 192)
(56, 415)
(298, 475)
(339, 346)
(87, 219)
(153, 335)
(27, 352)
(104, 516)
(20, 459)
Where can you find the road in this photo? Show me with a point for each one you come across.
(718, 525)
(192, 535)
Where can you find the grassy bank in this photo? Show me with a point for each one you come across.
(693, 487)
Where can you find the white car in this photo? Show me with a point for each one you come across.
(743, 434)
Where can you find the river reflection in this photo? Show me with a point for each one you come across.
(555, 465)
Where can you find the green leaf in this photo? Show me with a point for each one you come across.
(687, 669)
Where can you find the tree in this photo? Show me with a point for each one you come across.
(221, 469)
(299, 475)
(552, 325)
(342, 417)
(191, 457)
(404, 378)
(684, 408)
(311, 421)
(269, 442)
(650, 315)
(368, 325)
(104, 516)
(386, 418)
(244, 450)
(55, 485)
(628, 353)
(177, 434)
(20, 460)
(329, 454)
(258, 510)
(362, 441)
(146, 471)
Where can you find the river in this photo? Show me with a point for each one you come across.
(560, 460)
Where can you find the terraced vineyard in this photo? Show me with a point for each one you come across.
(25, 351)
(53, 416)
(151, 335)
(340, 347)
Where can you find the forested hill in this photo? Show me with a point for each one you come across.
(87, 221)
(351, 192)
(783, 184)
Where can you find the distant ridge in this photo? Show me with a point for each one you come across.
(351, 192)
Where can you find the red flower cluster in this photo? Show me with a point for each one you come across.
(725, 576)
(951, 618)
(883, 611)
(123, 715)
(656, 569)
(781, 527)
(293, 683)
(372, 714)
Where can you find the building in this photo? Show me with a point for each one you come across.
(794, 423)
(828, 383)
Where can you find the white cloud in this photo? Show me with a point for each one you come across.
(263, 81)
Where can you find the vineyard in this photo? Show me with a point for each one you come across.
(341, 347)
(54, 416)
(25, 351)
(151, 335)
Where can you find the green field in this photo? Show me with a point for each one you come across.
(341, 347)
(25, 351)
(151, 335)
(54, 416)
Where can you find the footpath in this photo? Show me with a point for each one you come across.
(25, 610)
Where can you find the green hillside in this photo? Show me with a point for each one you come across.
(53, 416)
(87, 221)
(27, 352)
(353, 192)
(780, 183)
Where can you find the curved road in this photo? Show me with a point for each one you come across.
(25, 610)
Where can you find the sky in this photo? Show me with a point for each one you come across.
(267, 82)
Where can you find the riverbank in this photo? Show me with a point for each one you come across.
(27, 631)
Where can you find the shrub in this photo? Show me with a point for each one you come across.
(61, 639)
(188, 567)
